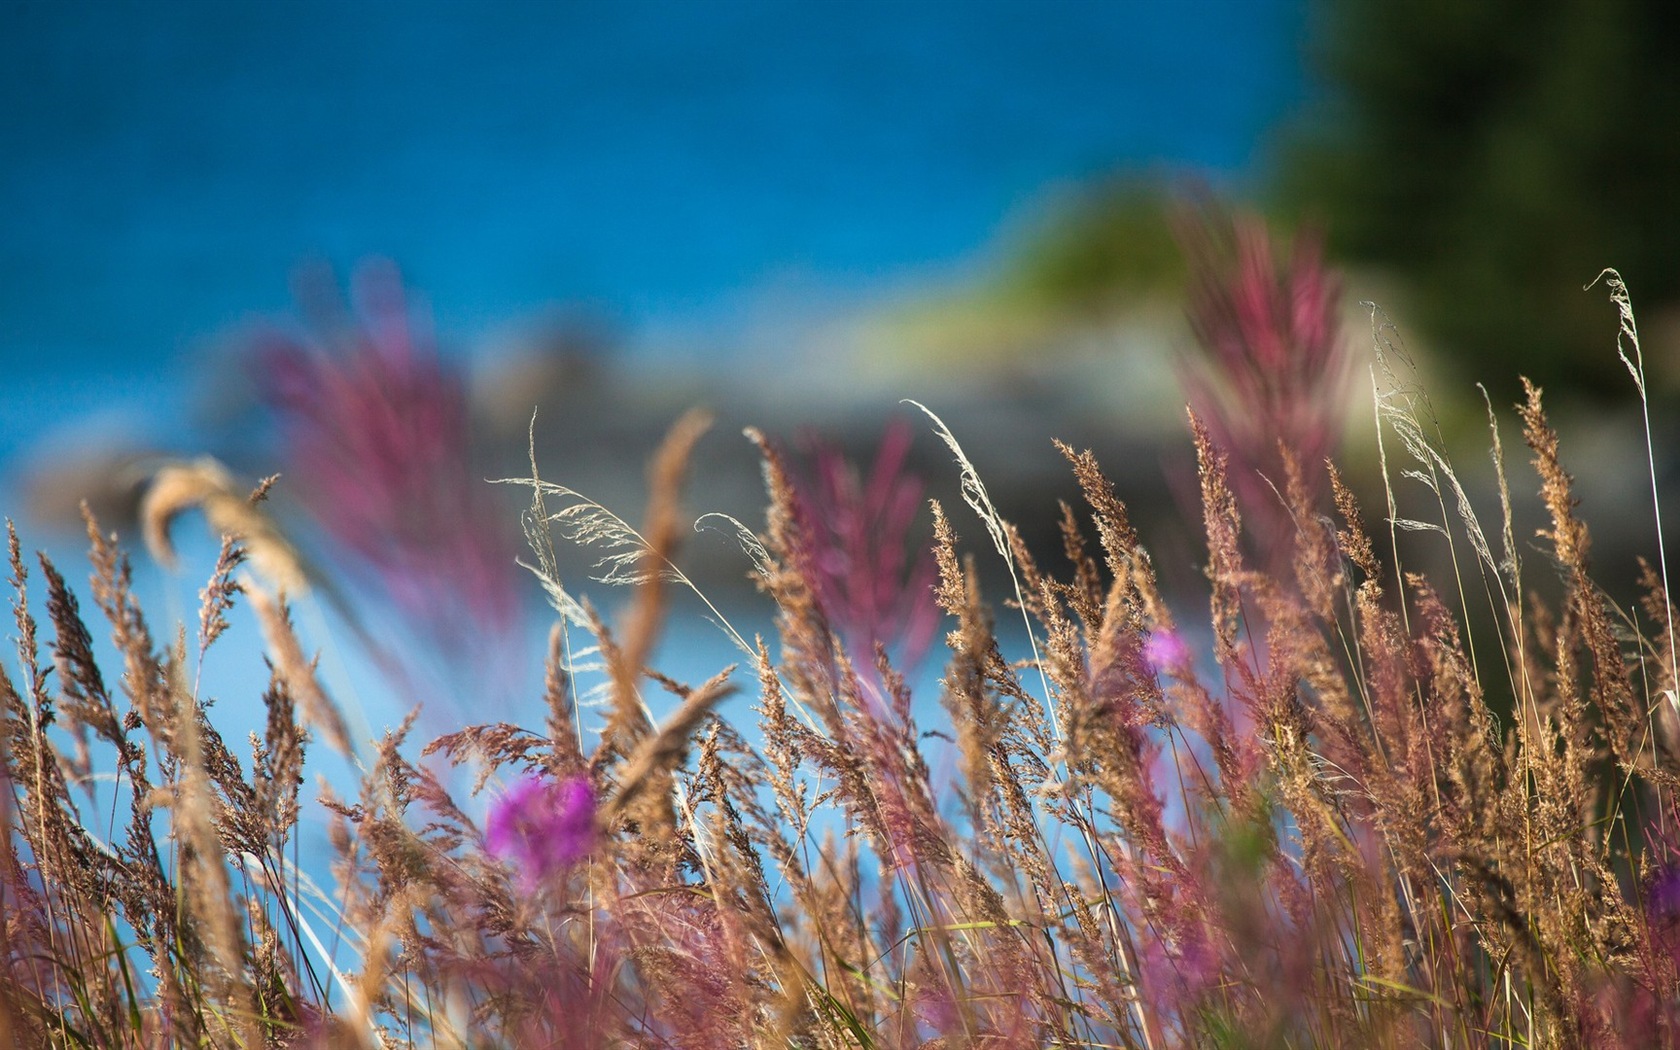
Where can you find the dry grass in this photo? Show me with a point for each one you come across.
(1299, 823)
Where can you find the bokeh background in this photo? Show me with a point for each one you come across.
(798, 214)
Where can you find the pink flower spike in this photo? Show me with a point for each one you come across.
(542, 827)
(871, 576)
(1270, 366)
(377, 442)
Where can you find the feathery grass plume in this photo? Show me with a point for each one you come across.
(298, 671)
(1271, 367)
(143, 938)
(807, 645)
(627, 557)
(658, 547)
(1627, 339)
(207, 893)
(377, 446)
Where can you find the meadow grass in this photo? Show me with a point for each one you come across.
(1306, 822)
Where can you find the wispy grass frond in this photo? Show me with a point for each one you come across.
(974, 494)
(1627, 339)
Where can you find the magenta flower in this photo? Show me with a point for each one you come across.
(1273, 364)
(1164, 650)
(858, 552)
(377, 447)
(542, 827)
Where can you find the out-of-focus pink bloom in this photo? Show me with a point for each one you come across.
(542, 827)
(1164, 650)
(1662, 913)
(1273, 365)
(858, 543)
(377, 447)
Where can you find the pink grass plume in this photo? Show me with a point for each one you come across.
(377, 446)
(861, 563)
(1272, 366)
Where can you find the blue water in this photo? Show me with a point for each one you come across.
(164, 166)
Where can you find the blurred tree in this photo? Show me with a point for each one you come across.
(1110, 242)
(1495, 156)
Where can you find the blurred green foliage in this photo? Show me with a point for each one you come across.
(1495, 156)
(1103, 247)
(1490, 158)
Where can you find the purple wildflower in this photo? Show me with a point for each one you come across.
(542, 826)
(857, 536)
(1273, 364)
(376, 437)
(1165, 650)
